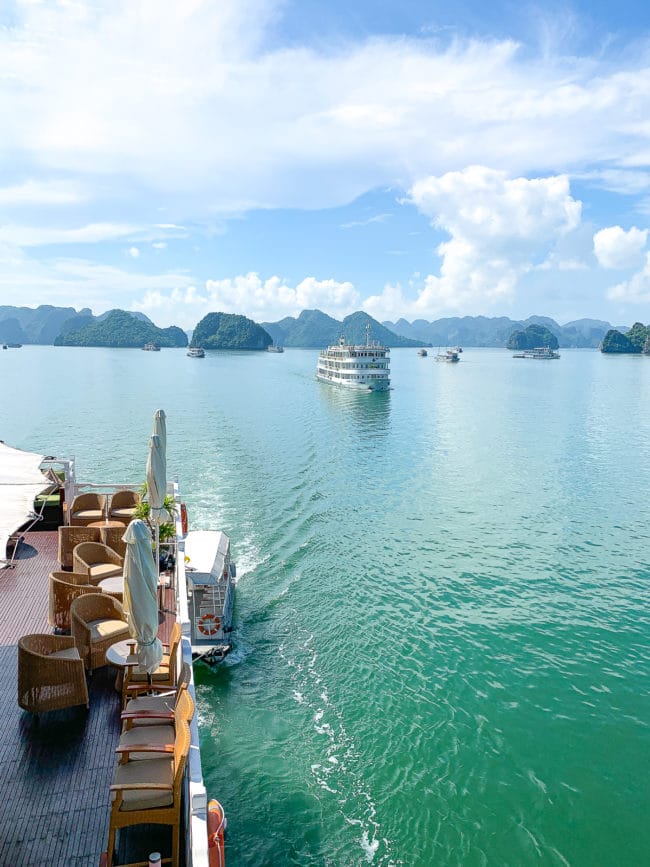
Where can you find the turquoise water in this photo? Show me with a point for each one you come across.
(442, 628)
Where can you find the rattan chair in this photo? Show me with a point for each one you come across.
(50, 673)
(153, 710)
(123, 506)
(97, 561)
(149, 793)
(143, 743)
(70, 537)
(97, 622)
(64, 588)
(164, 677)
(112, 536)
(87, 508)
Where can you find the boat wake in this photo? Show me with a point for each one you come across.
(336, 767)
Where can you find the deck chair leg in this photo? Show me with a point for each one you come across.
(111, 847)
(175, 845)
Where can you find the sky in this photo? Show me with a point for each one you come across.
(410, 158)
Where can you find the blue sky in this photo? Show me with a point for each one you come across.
(413, 159)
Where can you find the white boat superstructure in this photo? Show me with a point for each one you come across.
(209, 573)
(196, 352)
(364, 366)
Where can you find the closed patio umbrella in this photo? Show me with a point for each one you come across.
(157, 484)
(140, 594)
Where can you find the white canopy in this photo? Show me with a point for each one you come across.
(20, 481)
(206, 552)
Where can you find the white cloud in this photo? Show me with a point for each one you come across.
(119, 94)
(34, 236)
(616, 248)
(134, 252)
(159, 245)
(499, 229)
(261, 300)
(41, 193)
(636, 290)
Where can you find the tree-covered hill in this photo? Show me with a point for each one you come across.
(532, 337)
(634, 341)
(230, 331)
(314, 329)
(121, 329)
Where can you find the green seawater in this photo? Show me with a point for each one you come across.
(442, 627)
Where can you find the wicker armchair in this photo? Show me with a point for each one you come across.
(136, 681)
(97, 561)
(64, 588)
(87, 508)
(123, 505)
(70, 537)
(50, 673)
(149, 793)
(155, 710)
(140, 744)
(97, 622)
(112, 536)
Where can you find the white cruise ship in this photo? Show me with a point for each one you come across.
(363, 367)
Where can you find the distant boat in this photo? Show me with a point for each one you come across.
(13, 346)
(459, 348)
(151, 347)
(450, 355)
(538, 352)
(273, 348)
(360, 366)
(423, 353)
(196, 352)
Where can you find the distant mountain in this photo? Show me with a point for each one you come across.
(136, 313)
(41, 324)
(121, 329)
(11, 331)
(495, 331)
(229, 331)
(314, 329)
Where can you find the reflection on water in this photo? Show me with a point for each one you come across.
(366, 413)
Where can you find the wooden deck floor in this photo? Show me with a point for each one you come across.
(55, 770)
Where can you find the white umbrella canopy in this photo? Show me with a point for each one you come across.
(156, 479)
(160, 428)
(140, 595)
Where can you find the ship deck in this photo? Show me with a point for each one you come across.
(56, 769)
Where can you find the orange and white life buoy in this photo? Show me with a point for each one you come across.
(216, 834)
(209, 624)
(184, 521)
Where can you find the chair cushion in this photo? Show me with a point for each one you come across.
(102, 629)
(89, 514)
(161, 673)
(68, 653)
(98, 571)
(151, 702)
(153, 771)
(126, 512)
(155, 735)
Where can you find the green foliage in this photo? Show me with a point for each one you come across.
(633, 341)
(316, 330)
(532, 337)
(229, 331)
(166, 530)
(121, 329)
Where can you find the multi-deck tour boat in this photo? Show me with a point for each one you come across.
(196, 352)
(151, 347)
(274, 348)
(449, 355)
(539, 352)
(58, 749)
(363, 366)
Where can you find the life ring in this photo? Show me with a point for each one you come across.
(209, 624)
(216, 834)
(184, 521)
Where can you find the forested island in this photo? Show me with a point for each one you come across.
(121, 329)
(532, 337)
(636, 340)
(230, 331)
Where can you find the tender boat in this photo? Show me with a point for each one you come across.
(211, 588)
(450, 355)
(151, 347)
(364, 367)
(196, 352)
(540, 352)
(273, 348)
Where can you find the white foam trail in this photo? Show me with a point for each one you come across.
(368, 846)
